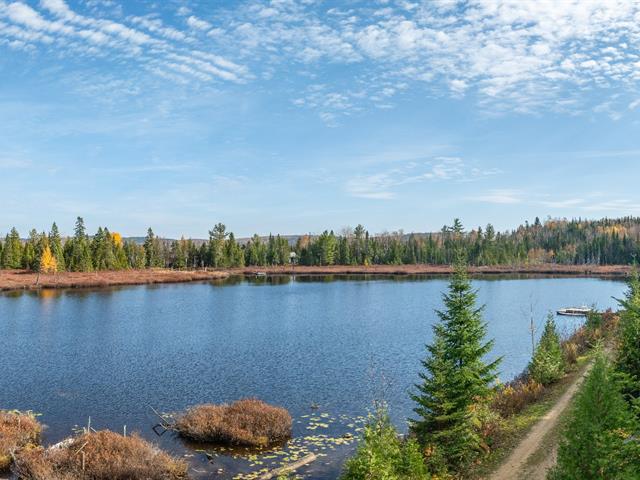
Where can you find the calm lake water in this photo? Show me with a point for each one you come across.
(337, 343)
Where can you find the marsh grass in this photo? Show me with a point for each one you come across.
(248, 422)
(18, 430)
(102, 455)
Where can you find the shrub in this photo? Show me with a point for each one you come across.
(488, 423)
(104, 455)
(599, 441)
(513, 397)
(547, 364)
(383, 455)
(569, 353)
(247, 422)
(17, 430)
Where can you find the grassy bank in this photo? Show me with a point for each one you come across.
(26, 280)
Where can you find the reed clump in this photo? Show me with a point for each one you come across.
(18, 430)
(102, 455)
(248, 422)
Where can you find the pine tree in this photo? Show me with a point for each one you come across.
(599, 441)
(76, 251)
(55, 244)
(628, 358)
(12, 250)
(547, 365)
(152, 250)
(30, 258)
(217, 237)
(135, 255)
(456, 377)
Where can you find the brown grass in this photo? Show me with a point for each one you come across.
(17, 431)
(247, 422)
(107, 456)
(25, 280)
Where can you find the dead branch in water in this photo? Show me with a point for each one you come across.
(292, 467)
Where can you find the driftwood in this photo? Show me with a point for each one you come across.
(292, 467)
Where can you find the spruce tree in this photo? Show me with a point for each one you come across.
(600, 439)
(217, 237)
(152, 250)
(12, 251)
(456, 377)
(55, 244)
(628, 358)
(547, 364)
(77, 251)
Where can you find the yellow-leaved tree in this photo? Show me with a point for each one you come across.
(117, 239)
(48, 263)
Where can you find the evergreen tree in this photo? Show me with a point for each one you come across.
(30, 257)
(152, 250)
(55, 244)
(77, 252)
(12, 250)
(599, 441)
(547, 365)
(456, 377)
(628, 358)
(135, 255)
(217, 237)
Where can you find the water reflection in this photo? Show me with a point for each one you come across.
(337, 342)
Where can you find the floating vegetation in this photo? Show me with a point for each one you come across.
(321, 435)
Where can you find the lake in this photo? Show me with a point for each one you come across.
(332, 343)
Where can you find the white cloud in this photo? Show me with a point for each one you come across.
(383, 185)
(500, 197)
(511, 55)
(197, 23)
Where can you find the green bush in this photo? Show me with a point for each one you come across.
(383, 455)
(601, 438)
(628, 358)
(547, 364)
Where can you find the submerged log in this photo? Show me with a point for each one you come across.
(292, 467)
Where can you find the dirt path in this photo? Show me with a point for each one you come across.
(515, 467)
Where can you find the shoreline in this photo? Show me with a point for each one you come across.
(424, 269)
(11, 280)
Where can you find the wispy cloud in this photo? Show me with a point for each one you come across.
(384, 185)
(500, 197)
(593, 203)
(522, 56)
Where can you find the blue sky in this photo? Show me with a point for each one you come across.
(295, 116)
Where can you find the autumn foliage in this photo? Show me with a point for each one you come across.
(102, 455)
(17, 431)
(249, 422)
(48, 263)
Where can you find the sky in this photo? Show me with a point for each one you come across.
(295, 116)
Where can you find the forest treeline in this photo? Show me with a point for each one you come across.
(597, 242)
